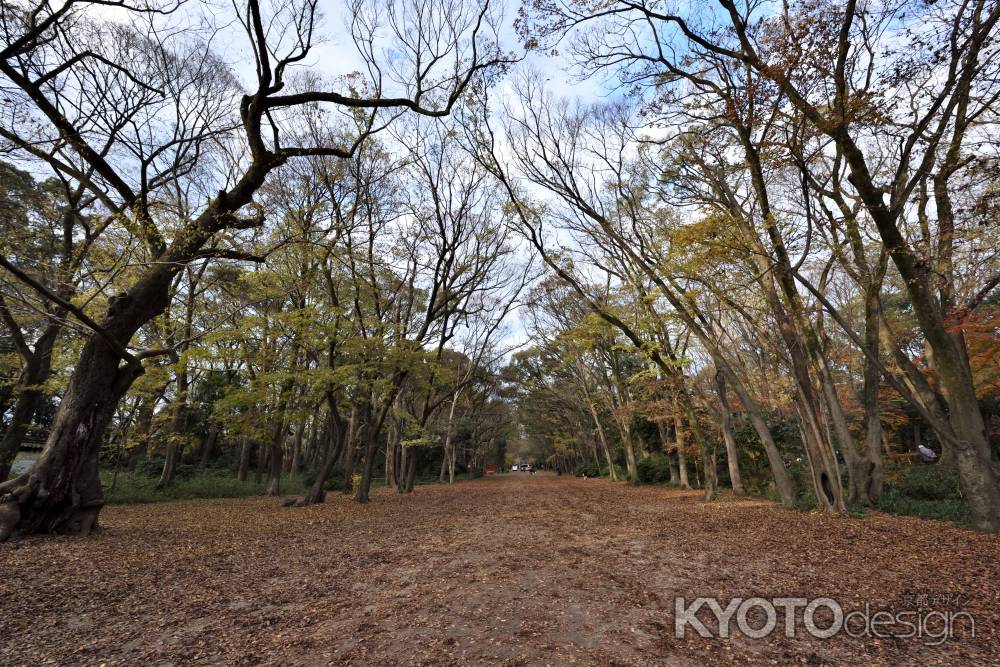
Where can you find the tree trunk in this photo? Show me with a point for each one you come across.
(728, 437)
(36, 371)
(336, 440)
(782, 482)
(178, 431)
(402, 465)
(604, 440)
(391, 445)
(362, 493)
(62, 493)
(276, 458)
(208, 448)
(294, 464)
(711, 481)
(263, 454)
(142, 431)
(244, 469)
(349, 452)
(630, 463)
(680, 443)
(411, 472)
(169, 465)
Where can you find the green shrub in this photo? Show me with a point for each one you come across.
(951, 509)
(807, 501)
(334, 482)
(598, 470)
(654, 469)
(137, 489)
(928, 491)
(927, 482)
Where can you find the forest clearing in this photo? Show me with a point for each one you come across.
(604, 332)
(507, 570)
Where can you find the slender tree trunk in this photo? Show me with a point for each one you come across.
(178, 431)
(728, 437)
(336, 439)
(391, 445)
(276, 460)
(363, 492)
(449, 455)
(294, 462)
(604, 440)
(349, 452)
(402, 466)
(143, 430)
(36, 371)
(263, 455)
(680, 440)
(707, 452)
(208, 447)
(782, 482)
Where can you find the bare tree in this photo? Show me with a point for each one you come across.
(188, 107)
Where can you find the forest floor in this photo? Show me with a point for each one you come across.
(511, 570)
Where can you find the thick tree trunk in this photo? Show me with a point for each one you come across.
(866, 478)
(411, 472)
(244, 468)
(62, 493)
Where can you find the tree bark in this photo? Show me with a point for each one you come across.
(680, 442)
(208, 447)
(37, 369)
(336, 439)
(244, 467)
(178, 431)
(727, 435)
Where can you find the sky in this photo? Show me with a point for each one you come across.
(335, 54)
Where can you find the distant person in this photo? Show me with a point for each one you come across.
(531, 469)
(558, 471)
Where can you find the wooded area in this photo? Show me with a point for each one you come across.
(766, 260)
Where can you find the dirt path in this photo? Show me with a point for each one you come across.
(511, 570)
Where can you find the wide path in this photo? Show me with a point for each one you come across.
(513, 570)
